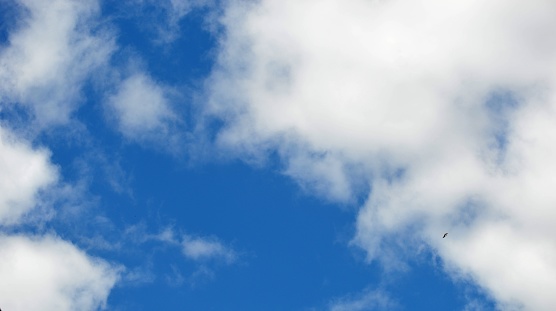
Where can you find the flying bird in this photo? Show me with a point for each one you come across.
(445, 234)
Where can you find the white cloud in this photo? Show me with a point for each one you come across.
(51, 51)
(25, 171)
(54, 49)
(365, 301)
(206, 248)
(141, 108)
(46, 273)
(446, 110)
(41, 273)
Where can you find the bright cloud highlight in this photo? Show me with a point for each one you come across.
(46, 273)
(25, 171)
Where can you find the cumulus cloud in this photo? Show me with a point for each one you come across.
(41, 272)
(46, 273)
(141, 108)
(445, 110)
(55, 47)
(206, 248)
(25, 171)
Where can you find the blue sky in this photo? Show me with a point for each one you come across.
(276, 155)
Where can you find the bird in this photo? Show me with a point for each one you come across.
(445, 234)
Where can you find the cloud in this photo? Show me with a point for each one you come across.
(55, 48)
(445, 111)
(41, 272)
(139, 276)
(204, 253)
(141, 108)
(25, 171)
(367, 300)
(206, 248)
(52, 50)
(46, 273)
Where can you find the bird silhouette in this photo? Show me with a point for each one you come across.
(445, 234)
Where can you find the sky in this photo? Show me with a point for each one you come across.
(277, 155)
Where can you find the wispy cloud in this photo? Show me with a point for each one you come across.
(207, 248)
(162, 18)
(139, 233)
(367, 300)
(138, 276)
(204, 251)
